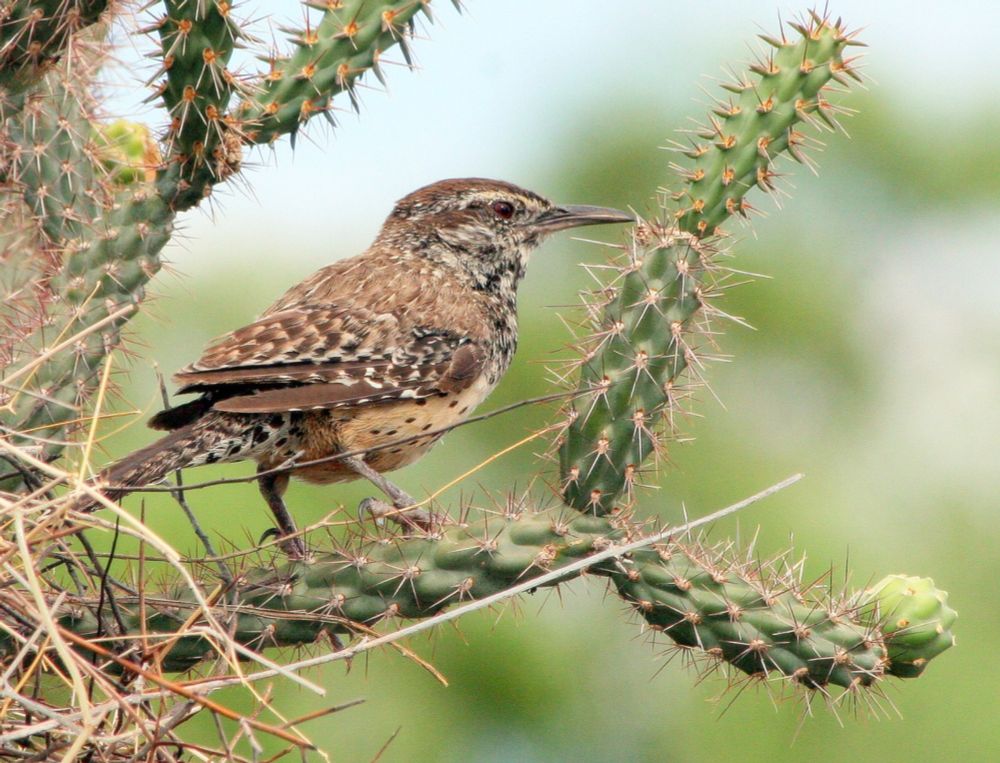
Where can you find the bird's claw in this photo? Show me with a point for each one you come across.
(293, 546)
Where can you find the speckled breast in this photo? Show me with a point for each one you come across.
(387, 427)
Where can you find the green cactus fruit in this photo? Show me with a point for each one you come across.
(915, 617)
(759, 121)
(127, 152)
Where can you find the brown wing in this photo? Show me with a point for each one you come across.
(326, 357)
(302, 336)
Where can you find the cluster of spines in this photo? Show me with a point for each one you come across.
(745, 614)
(760, 120)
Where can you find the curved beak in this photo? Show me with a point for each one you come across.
(576, 215)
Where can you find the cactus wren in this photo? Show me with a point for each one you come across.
(406, 338)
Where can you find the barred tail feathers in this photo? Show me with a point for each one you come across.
(213, 438)
(152, 463)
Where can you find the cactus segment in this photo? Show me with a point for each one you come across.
(643, 327)
(383, 578)
(915, 617)
(50, 171)
(743, 614)
(34, 35)
(51, 164)
(105, 274)
(329, 59)
(630, 364)
(759, 120)
(102, 237)
(198, 39)
(760, 624)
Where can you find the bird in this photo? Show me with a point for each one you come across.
(371, 356)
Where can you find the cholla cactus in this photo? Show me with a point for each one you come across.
(88, 205)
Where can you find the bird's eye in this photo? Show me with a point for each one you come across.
(503, 209)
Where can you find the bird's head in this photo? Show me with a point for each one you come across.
(486, 227)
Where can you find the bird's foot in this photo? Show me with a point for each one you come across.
(406, 515)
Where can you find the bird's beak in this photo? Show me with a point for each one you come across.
(576, 215)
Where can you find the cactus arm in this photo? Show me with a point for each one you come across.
(98, 280)
(644, 338)
(628, 369)
(197, 42)
(345, 44)
(735, 152)
(34, 35)
(741, 614)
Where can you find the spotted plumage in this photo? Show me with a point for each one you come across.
(401, 340)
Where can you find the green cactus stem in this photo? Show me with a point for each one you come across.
(646, 321)
(760, 120)
(34, 34)
(328, 59)
(198, 41)
(743, 614)
(629, 367)
(101, 239)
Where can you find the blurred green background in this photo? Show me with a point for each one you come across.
(874, 368)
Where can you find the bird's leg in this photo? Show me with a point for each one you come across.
(272, 487)
(403, 504)
(400, 499)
